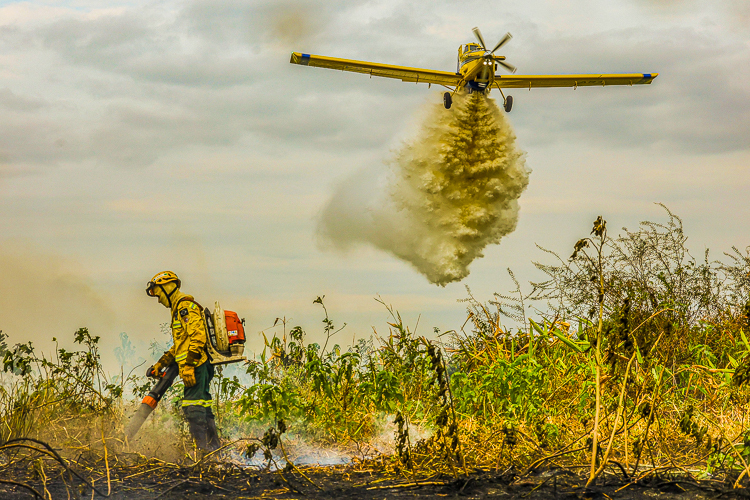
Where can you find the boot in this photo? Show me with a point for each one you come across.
(198, 425)
(212, 434)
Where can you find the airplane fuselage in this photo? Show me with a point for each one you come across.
(477, 67)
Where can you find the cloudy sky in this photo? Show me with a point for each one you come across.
(142, 136)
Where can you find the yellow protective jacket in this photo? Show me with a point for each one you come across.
(188, 331)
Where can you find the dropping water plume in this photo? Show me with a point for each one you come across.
(443, 197)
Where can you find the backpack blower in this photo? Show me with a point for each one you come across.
(225, 344)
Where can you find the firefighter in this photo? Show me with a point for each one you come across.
(189, 352)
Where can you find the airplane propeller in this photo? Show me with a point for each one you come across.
(478, 34)
(502, 42)
(490, 53)
(507, 66)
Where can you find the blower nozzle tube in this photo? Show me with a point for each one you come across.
(151, 400)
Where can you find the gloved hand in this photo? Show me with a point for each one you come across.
(187, 373)
(165, 360)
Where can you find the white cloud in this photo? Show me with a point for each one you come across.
(129, 129)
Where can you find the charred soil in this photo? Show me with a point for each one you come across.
(155, 479)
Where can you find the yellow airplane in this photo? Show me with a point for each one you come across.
(475, 72)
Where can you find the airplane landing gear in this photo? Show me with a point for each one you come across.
(508, 103)
(447, 100)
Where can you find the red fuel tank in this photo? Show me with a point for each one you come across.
(235, 328)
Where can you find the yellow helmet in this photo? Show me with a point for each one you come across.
(162, 279)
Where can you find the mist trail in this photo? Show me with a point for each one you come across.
(443, 197)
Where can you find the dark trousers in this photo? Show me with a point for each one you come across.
(196, 405)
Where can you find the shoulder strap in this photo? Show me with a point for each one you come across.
(185, 299)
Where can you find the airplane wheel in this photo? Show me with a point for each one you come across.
(447, 100)
(508, 103)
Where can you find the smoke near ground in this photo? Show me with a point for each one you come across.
(443, 197)
(45, 295)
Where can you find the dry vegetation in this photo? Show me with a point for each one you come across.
(633, 371)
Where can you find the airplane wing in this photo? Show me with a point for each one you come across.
(532, 81)
(375, 69)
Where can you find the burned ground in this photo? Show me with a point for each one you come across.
(155, 479)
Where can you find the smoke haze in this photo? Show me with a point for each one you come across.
(44, 296)
(443, 197)
(41, 292)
